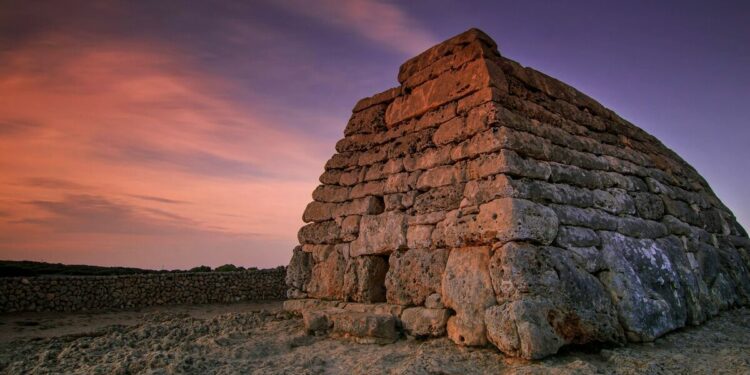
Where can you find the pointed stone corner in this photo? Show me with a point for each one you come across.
(475, 38)
(491, 203)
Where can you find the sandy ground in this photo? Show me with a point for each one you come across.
(259, 338)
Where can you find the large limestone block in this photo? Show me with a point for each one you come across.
(365, 327)
(449, 86)
(467, 289)
(318, 211)
(413, 275)
(644, 284)
(326, 232)
(509, 219)
(299, 270)
(518, 269)
(520, 329)
(424, 322)
(440, 176)
(380, 234)
(569, 236)
(366, 121)
(316, 321)
(326, 281)
(546, 300)
(383, 97)
(370, 205)
(500, 220)
(364, 279)
(506, 162)
(444, 198)
(438, 52)
(331, 193)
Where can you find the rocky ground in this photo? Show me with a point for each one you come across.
(261, 339)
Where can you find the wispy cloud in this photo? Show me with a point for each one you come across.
(379, 21)
(199, 162)
(78, 213)
(120, 115)
(15, 127)
(51, 183)
(156, 199)
(119, 130)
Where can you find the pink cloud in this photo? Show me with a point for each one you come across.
(105, 137)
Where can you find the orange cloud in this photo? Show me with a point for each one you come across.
(100, 140)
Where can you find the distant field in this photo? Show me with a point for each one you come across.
(27, 268)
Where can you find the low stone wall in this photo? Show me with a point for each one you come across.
(86, 293)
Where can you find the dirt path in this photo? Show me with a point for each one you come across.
(259, 338)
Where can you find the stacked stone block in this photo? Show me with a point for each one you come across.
(90, 293)
(518, 209)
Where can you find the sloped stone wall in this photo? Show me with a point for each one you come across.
(87, 293)
(534, 215)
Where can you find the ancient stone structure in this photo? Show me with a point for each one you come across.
(492, 203)
(87, 293)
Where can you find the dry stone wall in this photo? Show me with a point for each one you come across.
(86, 293)
(523, 211)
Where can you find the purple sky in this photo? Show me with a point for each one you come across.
(172, 133)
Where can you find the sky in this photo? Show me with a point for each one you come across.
(172, 134)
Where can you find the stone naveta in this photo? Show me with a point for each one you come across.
(491, 203)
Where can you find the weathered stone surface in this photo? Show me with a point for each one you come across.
(330, 193)
(451, 131)
(316, 322)
(508, 163)
(639, 228)
(501, 220)
(449, 86)
(430, 158)
(440, 176)
(373, 308)
(520, 329)
(380, 234)
(463, 178)
(299, 269)
(369, 120)
(585, 217)
(319, 233)
(444, 198)
(364, 279)
(423, 322)
(363, 206)
(539, 292)
(517, 219)
(413, 275)
(437, 52)
(365, 327)
(371, 188)
(318, 211)
(467, 289)
(649, 206)
(326, 281)
(644, 285)
(350, 228)
(568, 236)
(485, 190)
(383, 97)
(434, 301)
(419, 236)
